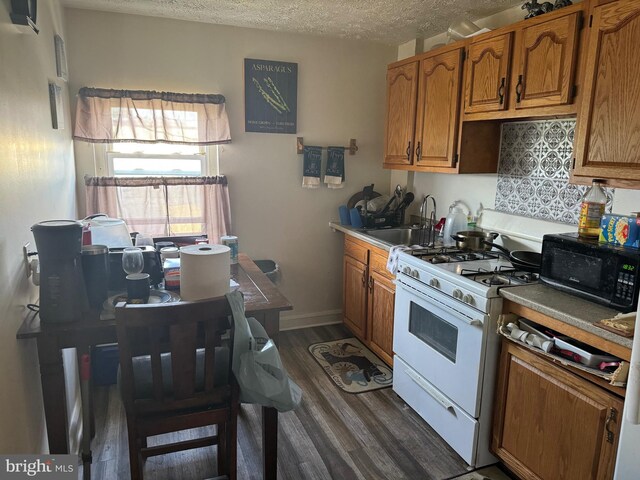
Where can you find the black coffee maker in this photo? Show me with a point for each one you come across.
(63, 296)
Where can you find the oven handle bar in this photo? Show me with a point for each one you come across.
(433, 393)
(476, 322)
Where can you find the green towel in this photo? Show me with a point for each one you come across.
(334, 175)
(311, 167)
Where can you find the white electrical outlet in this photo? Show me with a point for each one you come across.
(25, 258)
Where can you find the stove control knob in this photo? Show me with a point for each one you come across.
(457, 293)
(469, 299)
(434, 283)
(406, 270)
(415, 274)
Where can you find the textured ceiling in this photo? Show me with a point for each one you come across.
(387, 21)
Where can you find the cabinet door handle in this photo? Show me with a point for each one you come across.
(409, 151)
(501, 91)
(364, 279)
(613, 415)
(419, 151)
(370, 284)
(519, 89)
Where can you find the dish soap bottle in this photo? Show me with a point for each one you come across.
(591, 210)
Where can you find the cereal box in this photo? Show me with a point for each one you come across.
(620, 229)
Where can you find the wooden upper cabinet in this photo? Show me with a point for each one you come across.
(402, 90)
(545, 62)
(608, 128)
(487, 74)
(438, 109)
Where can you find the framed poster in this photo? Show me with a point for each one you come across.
(270, 96)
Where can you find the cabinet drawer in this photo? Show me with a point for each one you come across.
(356, 251)
(378, 263)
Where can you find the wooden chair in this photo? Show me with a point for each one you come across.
(175, 374)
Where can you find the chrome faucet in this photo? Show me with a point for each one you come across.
(428, 222)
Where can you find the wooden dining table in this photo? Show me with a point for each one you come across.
(263, 301)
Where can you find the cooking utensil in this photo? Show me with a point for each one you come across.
(520, 258)
(611, 366)
(387, 205)
(406, 201)
(475, 240)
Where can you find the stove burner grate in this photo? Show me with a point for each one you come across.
(450, 254)
(495, 280)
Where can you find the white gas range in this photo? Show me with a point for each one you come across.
(445, 342)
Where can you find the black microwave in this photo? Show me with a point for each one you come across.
(605, 274)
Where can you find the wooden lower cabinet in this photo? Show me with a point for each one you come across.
(355, 296)
(550, 424)
(369, 297)
(382, 295)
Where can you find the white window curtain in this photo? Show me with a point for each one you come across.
(108, 116)
(164, 206)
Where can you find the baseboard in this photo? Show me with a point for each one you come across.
(306, 320)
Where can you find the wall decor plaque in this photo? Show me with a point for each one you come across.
(57, 106)
(270, 96)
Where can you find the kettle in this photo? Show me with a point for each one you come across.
(455, 222)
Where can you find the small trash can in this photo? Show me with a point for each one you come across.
(104, 364)
(269, 268)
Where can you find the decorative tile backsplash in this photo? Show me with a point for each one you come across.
(533, 174)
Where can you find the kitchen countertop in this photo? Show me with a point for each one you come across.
(357, 232)
(569, 309)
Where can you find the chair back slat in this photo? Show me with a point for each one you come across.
(211, 341)
(155, 337)
(178, 329)
(183, 359)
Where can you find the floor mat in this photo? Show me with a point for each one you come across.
(351, 365)
(487, 473)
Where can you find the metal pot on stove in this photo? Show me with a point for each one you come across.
(474, 240)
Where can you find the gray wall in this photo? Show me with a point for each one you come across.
(36, 183)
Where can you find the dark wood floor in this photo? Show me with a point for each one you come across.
(332, 435)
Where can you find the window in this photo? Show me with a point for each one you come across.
(156, 159)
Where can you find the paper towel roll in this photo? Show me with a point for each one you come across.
(204, 271)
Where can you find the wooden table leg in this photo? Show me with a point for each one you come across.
(269, 443)
(84, 362)
(271, 323)
(53, 394)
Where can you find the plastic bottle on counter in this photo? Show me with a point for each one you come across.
(231, 241)
(591, 210)
(456, 222)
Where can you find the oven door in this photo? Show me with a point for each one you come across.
(441, 339)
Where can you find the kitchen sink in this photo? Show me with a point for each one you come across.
(396, 236)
